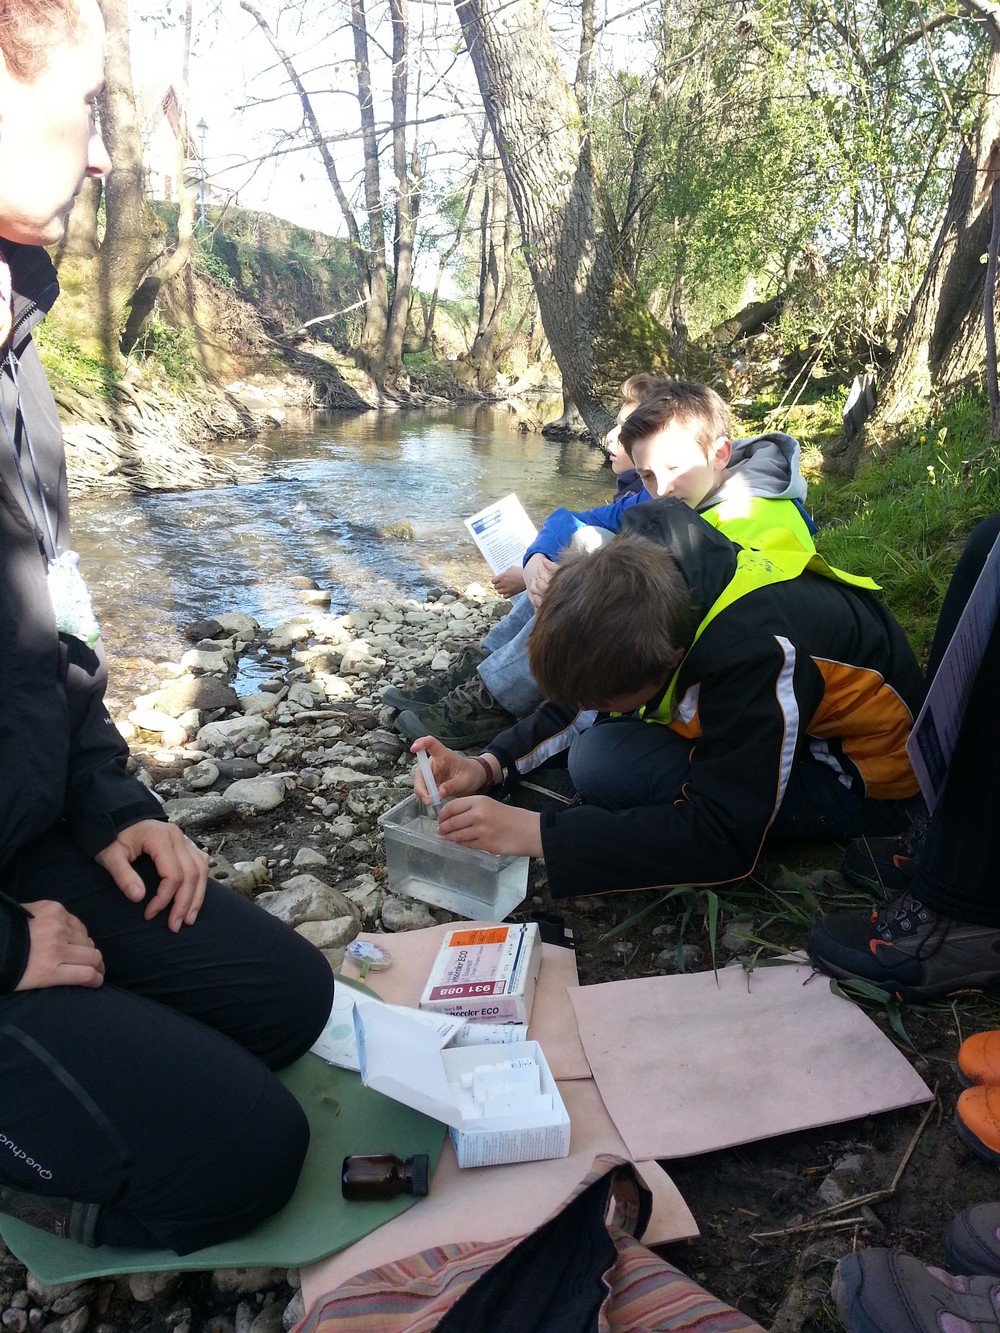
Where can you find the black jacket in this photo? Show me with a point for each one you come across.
(807, 666)
(61, 757)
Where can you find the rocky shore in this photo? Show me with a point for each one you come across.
(283, 784)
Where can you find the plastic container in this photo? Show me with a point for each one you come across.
(421, 864)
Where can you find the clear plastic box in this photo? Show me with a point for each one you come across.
(421, 864)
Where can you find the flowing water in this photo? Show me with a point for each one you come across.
(334, 483)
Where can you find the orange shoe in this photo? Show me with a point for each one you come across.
(977, 1121)
(978, 1060)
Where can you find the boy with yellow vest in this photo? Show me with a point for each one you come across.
(746, 692)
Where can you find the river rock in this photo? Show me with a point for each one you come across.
(231, 769)
(315, 596)
(263, 793)
(295, 1312)
(305, 898)
(205, 693)
(244, 627)
(300, 695)
(201, 775)
(309, 856)
(199, 812)
(159, 723)
(203, 629)
(269, 1320)
(358, 660)
(286, 636)
(230, 1282)
(250, 875)
(342, 828)
(330, 934)
(145, 1287)
(198, 661)
(366, 893)
(227, 735)
(254, 705)
(400, 914)
(367, 802)
(336, 689)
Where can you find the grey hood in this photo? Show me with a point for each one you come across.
(767, 466)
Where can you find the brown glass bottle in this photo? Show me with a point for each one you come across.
(383, 1176)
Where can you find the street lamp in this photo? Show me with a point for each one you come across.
(202, 129)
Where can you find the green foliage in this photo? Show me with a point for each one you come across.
(65, 362)
(169, 349)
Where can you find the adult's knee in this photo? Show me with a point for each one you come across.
(308, 982)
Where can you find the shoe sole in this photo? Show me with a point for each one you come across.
(411, 725)
(974, 1143)
(988, 985)
(846, 1290)
(966, 1254)
(393, 699)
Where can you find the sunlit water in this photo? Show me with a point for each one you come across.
(334, 483)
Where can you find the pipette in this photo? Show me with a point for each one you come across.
(427, 773)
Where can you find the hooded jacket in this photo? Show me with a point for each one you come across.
(794, 669)
(61, 757)
(764, 467)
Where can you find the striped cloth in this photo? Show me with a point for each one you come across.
(619, 1286)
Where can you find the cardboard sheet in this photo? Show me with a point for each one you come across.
(493, 1202)
(692, 1063)
(552, 1025)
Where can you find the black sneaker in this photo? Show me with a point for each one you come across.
(467, 716)
(884, 1291)
(908, 949)
(888, 862)
(433, 691)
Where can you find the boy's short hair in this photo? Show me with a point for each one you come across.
(29, 29)
(639, 386)
(692, 405)
(610, 623)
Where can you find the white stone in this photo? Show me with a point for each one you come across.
(208, 660)
(200, 775)
(343, 827)
(339, 775)
(305, 898)
(330, 934)
(244, 627)
(459, 611)
(309, 856)
(405, 914)
(233, 731)
(301, 695)
(263, 793)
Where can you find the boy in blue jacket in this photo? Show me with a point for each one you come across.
(677, 432)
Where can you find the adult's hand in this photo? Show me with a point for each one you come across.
(509, 582)
(481, 822)
(455, 774)
(182, 867)
(61, 952)
(537, 573)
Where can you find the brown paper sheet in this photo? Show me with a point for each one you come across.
(692, 1063)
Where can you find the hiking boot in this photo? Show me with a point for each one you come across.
(883, 1291)
(62, 1217)
(978, 1059)
(977, 1122)
(433, 691)
(467, 716)
(908, 949)
(972, 1241)
(888, 862)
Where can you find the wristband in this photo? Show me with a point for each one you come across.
(490, 782)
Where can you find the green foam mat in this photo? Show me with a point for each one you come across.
(344, 1117)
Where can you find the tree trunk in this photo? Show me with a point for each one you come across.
(494, 298)
(599, 329)
(126, 250)
(80, 240)
(373, 337)
(143, 301)
(941, 344)
(407, 185)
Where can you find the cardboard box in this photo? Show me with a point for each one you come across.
(403, 1059)
(487, 974)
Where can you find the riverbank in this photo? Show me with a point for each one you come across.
(283, 784)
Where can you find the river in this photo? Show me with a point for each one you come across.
(334, 482)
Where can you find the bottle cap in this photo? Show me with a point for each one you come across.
(419, 1175)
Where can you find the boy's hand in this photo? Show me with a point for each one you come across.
(61, 953)
(455, 774)
(509, 582)
(481, 822)
(183, 869)
(537, 573)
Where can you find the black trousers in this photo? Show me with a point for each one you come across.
(958, 869)
(154, 1095)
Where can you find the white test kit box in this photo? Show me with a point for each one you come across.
(487, 974)
(480, 1093)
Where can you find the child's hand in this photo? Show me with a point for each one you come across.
(537, 573)
(481, 822)
(509, 582)
(455, 774)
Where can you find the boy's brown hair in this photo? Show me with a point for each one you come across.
(694, 406)
(637, 387)
(29, 29)
(611, 623)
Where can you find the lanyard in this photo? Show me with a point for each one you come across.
(29, 503)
